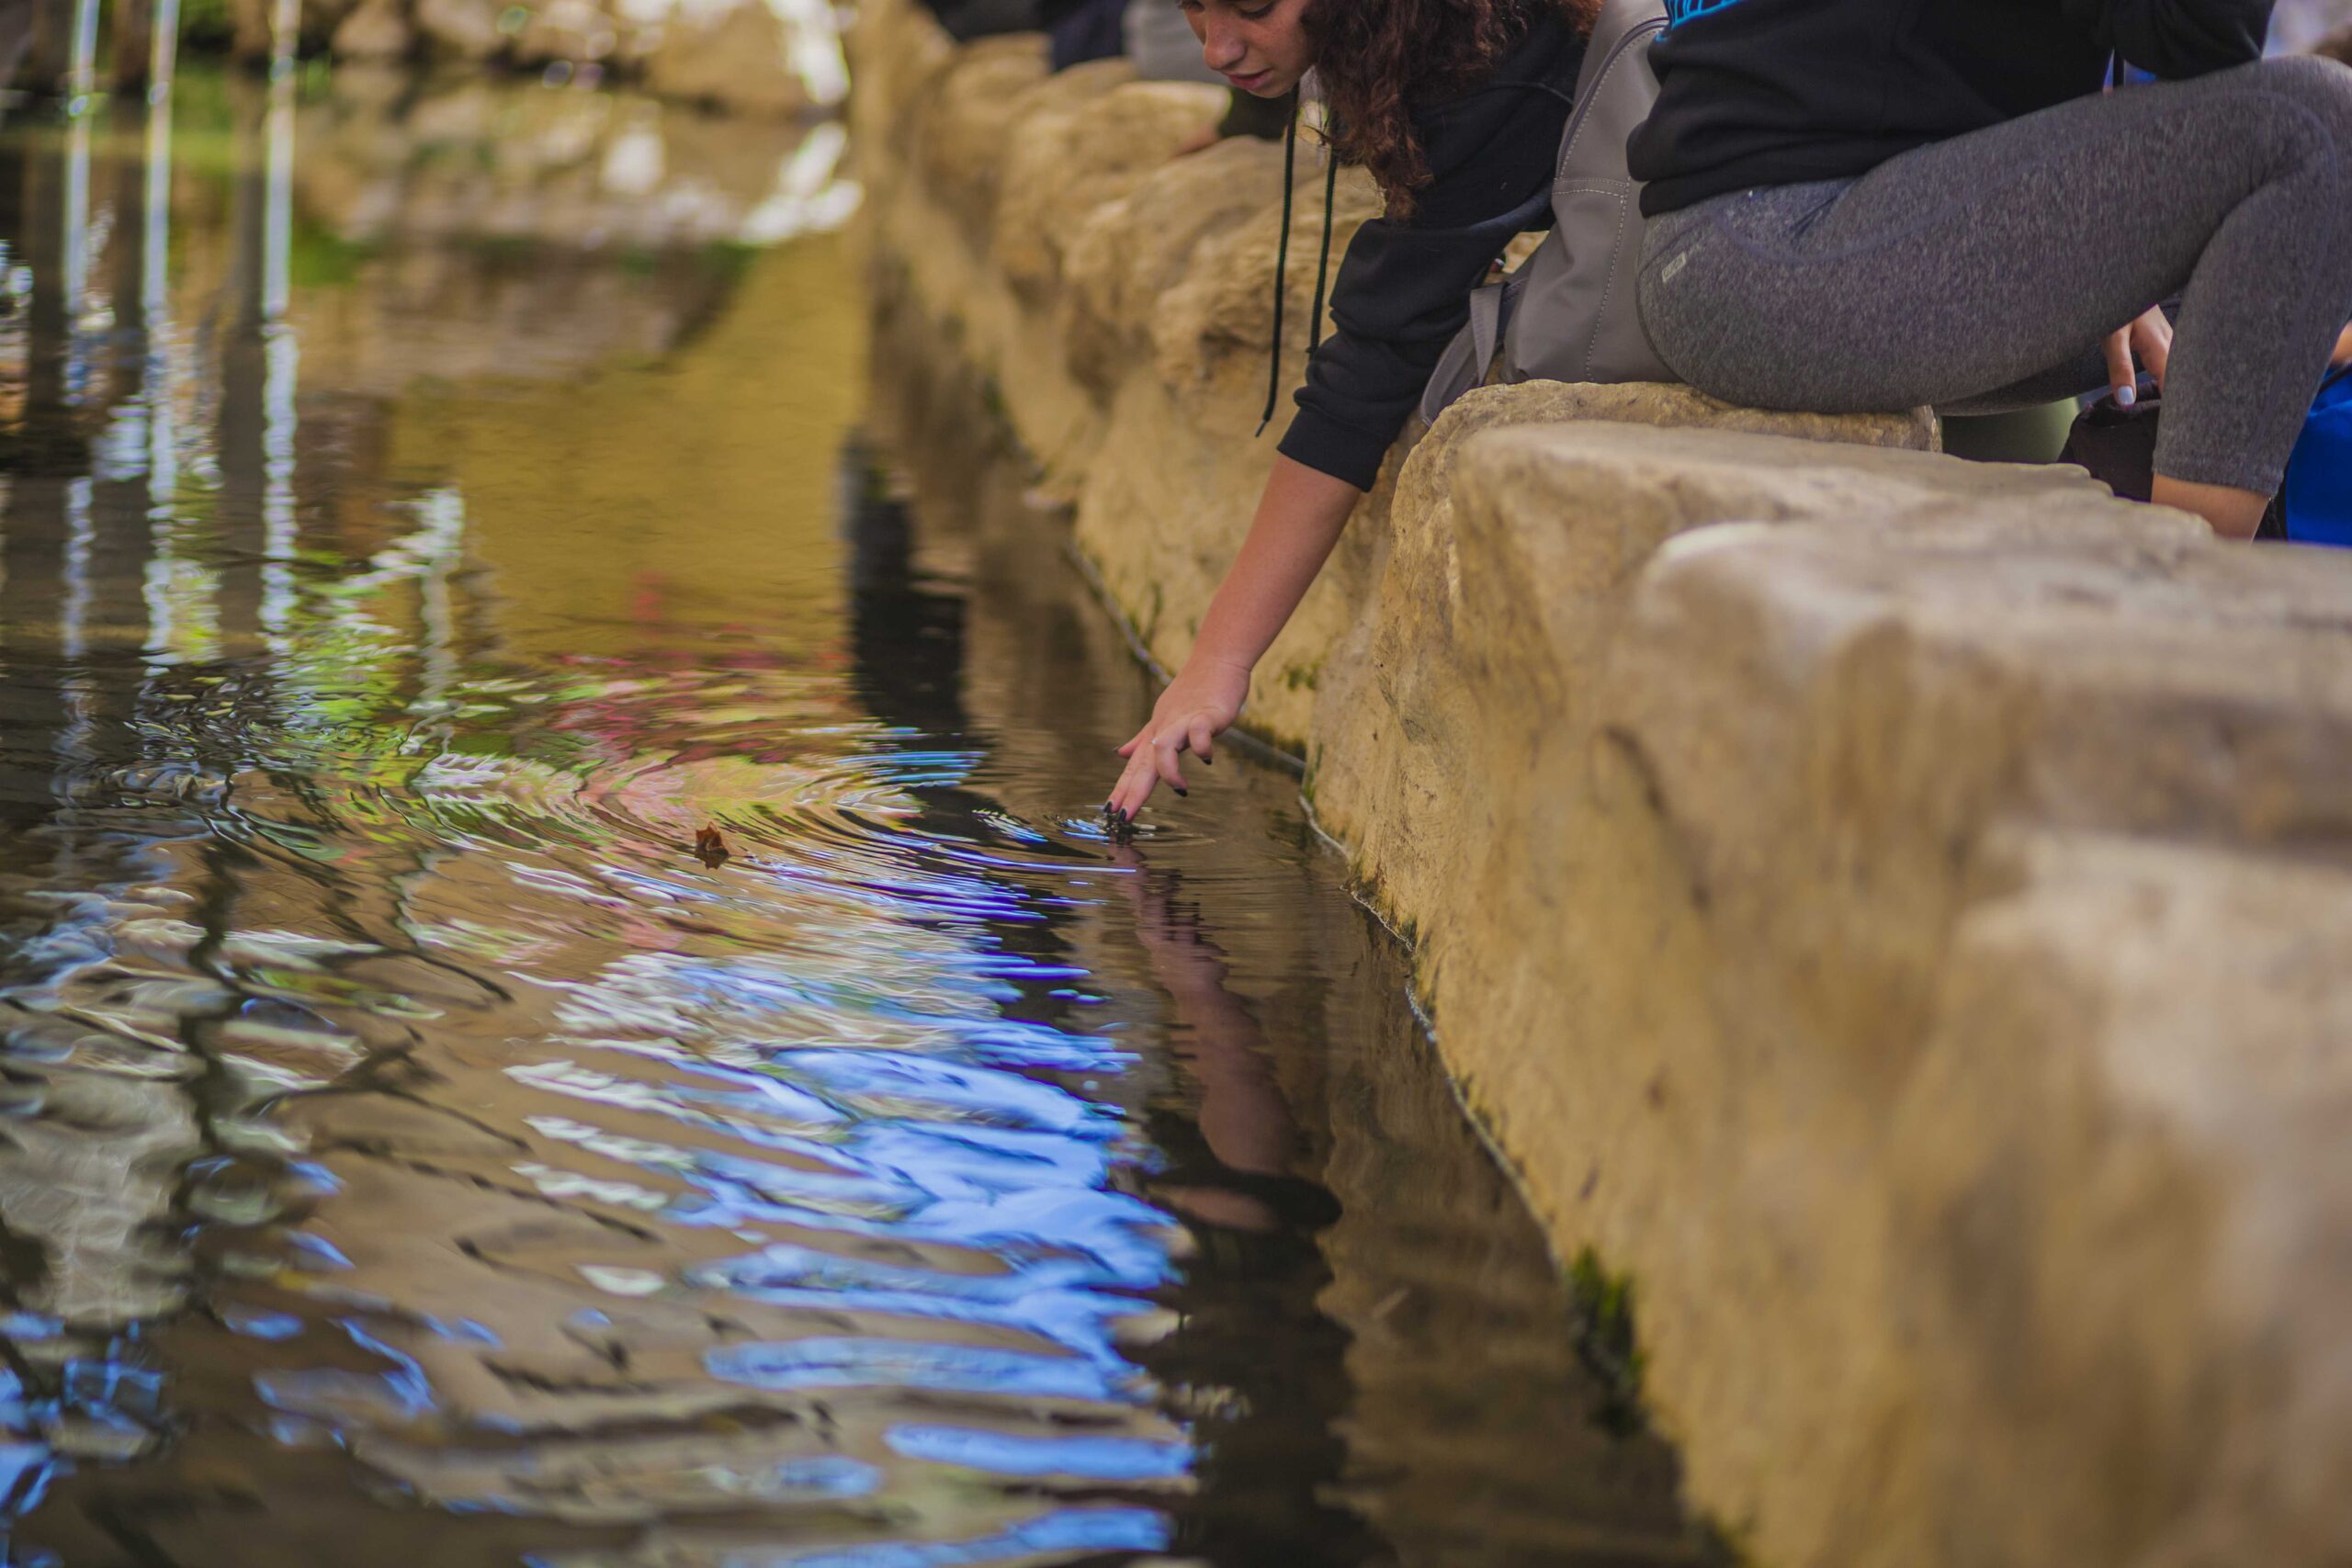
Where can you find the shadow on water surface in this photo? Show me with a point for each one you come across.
(412, 1152)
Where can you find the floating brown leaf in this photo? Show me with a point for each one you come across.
(709, 848)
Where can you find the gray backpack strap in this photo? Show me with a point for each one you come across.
(1463, 363)
(1580, 319)
(1570, 313)
(1486, 323)
(1470, 354)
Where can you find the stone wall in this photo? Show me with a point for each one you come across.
(757, 57)
(1891, 908)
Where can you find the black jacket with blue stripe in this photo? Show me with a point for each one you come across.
(1782, 92)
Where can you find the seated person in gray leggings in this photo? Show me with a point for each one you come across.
(1858, 205)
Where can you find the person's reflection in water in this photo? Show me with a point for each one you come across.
(1267, 1422)
(1243, 1117)
(1253, 1367)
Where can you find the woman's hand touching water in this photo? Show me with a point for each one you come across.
(1299, 519)
(1199, 705)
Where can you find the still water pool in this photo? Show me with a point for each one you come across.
(427, 508)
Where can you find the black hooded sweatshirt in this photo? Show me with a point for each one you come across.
(1783, 92)
(1403, 289)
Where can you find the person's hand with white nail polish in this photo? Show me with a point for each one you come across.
(2148, 341)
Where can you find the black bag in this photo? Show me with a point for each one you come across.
(2117, 446)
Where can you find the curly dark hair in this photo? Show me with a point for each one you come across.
(1379, 60)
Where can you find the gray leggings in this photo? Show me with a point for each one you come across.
(1983, 272)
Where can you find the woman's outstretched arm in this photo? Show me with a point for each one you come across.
(1299, 518)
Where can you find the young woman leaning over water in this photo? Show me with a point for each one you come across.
(1456, 106)
(1875, 204)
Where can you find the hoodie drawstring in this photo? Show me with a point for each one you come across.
(1281, 262)
(1323, 262)
(1282, 259)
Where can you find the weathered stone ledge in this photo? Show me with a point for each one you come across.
(1894, 908)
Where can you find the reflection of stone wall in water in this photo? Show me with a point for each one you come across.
(99, 1118)
(120, 1065)
(761, 56)
(504, 1277)
(511, 232)
(661, 445)
(147, 1001)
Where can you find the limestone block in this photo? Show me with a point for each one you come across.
(937, 239)
(321, 19)
(1062, 163)
(378, 30)
(1642, 402)
(1130, 251)
(250, 28)
(1404, 676)
(737, 55)
(2153, 683)
(2085, 1216)
(575, 31)
(460, 30)
(2168, 1227)
(961, 119)
(1551, 522)
(1211, 335)
(1425, 486)
(1699, 825)
(1048, 99)
(895, 47)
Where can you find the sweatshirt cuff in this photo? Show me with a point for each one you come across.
(1344, 452)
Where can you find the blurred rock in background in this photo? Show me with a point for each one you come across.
(770, 57)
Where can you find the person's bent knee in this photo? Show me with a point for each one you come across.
(2320, 87)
